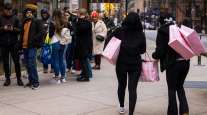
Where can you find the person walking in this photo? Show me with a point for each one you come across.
(99, 36)
(176, 70)
(31, 39)
(84, 45)
(9, 31)
(129, 60)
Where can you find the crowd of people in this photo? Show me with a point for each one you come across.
(78, 39)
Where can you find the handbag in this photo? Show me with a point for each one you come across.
(150, 71)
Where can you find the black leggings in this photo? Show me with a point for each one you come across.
(176, 75)
(133, 78)
(98, 60)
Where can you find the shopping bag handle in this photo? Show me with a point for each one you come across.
(147, 55)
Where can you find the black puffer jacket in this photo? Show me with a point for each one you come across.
(133, 43)
(9, 38)
(163, 51)
(84, 42)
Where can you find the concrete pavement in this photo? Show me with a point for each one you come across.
(97, 97)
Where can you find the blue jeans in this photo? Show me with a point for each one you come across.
(86, 68)
(31, 66)
(58, 59)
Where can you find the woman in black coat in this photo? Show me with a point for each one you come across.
(176, 70)
(129, 59)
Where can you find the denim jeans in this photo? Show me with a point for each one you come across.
(31, 66)
(86, 68)
(58, 59)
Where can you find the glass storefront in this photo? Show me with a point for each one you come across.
(195, 11)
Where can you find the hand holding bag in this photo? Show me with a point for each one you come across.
(150, 71)
(111, 52)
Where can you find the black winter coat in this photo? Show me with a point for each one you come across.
(9, 38)
(84, 42)
(36, 33)
(132, 46)
(163, 51)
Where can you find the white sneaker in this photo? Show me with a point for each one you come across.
(58, 81)
(73, 71)
(121, 110)
(63, 80)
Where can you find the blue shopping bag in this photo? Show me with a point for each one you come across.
(46, 54)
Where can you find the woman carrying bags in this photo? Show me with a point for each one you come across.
(133, 44)
(176, 70)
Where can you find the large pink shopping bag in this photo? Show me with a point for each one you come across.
(150, 71)
(111, 51)
(192, 38)
(178, 43)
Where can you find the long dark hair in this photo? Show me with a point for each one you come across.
(132, 22)
(58, 19)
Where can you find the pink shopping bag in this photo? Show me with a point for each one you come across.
(150, 71)
(111, 51)
(192, 38)
(178, 43)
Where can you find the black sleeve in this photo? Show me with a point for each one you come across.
(51, 30)
(38, 37)
(142, 48)
(161, 45)
(117, 32)
(91, 38)
(1, 26)
(17, 26)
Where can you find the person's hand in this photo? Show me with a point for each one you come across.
(5, 27)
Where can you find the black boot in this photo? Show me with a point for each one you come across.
(19, 82)
(29, 84)
(83, 79)
(7, 82)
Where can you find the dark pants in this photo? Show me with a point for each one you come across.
(86, 70)
(133, 78)
(70, 60)
(31, 66)
(45, 66)
(15, 57)
(176, 75)
(98, 60)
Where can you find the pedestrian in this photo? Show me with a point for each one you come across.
(176, 70)
(84, 45)
(60, 38)
(99, 36)
(70, 60)
(9, 31)
(31, 39)
(133, 44)
(45, 22)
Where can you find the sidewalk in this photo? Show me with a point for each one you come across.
(97, 97)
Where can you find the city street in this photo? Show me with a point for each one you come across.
(99, 97)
